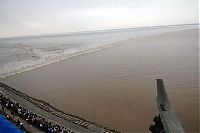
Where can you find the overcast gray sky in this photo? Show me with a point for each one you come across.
(26, 17)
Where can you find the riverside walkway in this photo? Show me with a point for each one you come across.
(48, 112)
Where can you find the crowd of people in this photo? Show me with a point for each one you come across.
(31, 118)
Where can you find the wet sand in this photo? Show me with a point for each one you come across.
(116, 87)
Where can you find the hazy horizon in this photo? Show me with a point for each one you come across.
(37, 17)
(95, 30)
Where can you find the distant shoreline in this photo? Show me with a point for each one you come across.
(96, 31)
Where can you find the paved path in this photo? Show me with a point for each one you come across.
(90, 128)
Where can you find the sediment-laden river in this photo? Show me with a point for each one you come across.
(116, 87)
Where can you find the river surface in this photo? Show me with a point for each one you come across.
(116, 87)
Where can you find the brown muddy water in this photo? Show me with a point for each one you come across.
(116, 87)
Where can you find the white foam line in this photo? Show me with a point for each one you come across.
(41, 63)
(55, 59)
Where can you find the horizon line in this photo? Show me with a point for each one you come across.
(89, 31)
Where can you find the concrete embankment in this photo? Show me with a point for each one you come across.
(47, 111)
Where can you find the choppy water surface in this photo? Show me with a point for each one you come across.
(116, 87)
(24, 53)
